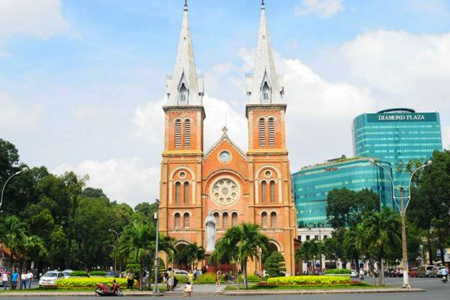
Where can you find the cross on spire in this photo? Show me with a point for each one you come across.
(225, 130)
(186, 4)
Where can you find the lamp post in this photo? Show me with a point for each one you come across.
(403, 208)
(115, 250)
(24, 170)
(156, 216)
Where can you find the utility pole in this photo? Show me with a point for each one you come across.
(156, 216)
(404, 245)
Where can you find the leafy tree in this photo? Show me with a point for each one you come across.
(191, 255)
(309, 251)
(247, 241)
(274, 264)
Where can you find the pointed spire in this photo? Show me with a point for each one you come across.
(265, 86)
(184, 87)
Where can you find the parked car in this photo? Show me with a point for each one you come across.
(67, 273)
(180, 273)
(436, 272)
(425, 270)
(413, 272)
(50, 277)
(354, 274)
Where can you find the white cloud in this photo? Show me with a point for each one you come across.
(15, 116)
(37, 18)
(131, 180)
(446, 137)
(322, 8)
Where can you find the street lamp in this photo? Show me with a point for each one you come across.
(156, 216)
(115, 250)
(24, 170)
(403, 208)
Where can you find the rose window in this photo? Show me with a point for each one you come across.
(225, 192)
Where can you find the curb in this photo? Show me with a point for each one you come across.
(74, 294)
(321, 292)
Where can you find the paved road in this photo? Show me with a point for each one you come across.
(435, 291)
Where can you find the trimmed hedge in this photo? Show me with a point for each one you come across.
(79, 274)
(97, 273)
(338, 271)
(250, 278)
(181, 278)
(206, 278)
(310, 280)
(89, 282)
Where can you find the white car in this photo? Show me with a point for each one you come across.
(354, 274)
(181, 273)
(50, 277)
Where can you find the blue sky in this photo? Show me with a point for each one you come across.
(82, 81)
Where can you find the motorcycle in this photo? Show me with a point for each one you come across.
(444, 278)
(106, 290)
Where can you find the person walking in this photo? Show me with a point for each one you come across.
(171, 279)
(5, 279)
(188, 289)
(29, 278)
(218, 273)
(14, 278)
(130, 279)
(191, 277)
(23, 280)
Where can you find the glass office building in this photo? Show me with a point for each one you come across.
(312, 184)
(398, 136)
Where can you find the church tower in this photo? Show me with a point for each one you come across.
(267, 153)
(180, 186)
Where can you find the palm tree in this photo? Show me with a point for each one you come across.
(247, 241)
(12, 235)
(33, 247)
(379, 234)
(191, 255)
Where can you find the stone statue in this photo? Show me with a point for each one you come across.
(210, 224)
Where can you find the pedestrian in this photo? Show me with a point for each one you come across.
(218, 273)
(171, 279)
(166, 278)
(195, 274)
(23, 280)
(29, 278)
(14, 278)
(191, 277)
(188, 289)
(130, 279)
(5, 279)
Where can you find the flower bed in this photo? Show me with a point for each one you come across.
(310, 281)
(89, 282)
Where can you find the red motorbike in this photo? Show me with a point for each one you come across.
(106, 290)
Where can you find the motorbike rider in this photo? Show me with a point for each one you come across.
(444, 274)
(361, 273)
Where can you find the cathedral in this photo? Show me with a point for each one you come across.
(232, 185)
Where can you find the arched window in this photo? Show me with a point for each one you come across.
(177, 193)
(264, 219)
(225, 220)
(216, 216)
(272, 191)
(234, 219)
(263, 192)
(183, 95)
(177, 133)
(266, 93)
(262, 132)
(177, 220)
(273, 219)
(186, 220)
(271, 132)
(186, 193)
(187, 133)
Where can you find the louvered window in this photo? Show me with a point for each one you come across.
(177, 220)
(272, 191)
(186, 193)
(225, 220)
(264, 192)
(262, 132)
(178, 134)
(187, 133)
(186, 220)
(273, 219)
(177, 193)
(264, 219)
(271, 132)
(234, 219)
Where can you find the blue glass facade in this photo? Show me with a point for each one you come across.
(397, 136)
(312, 184)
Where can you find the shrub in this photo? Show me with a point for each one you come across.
(79, 274)
(89, 282)
(206, 278)
(250, 278)
(181, 278)
(338, 271)
(310, 280)
(275, 264)
(97, 273)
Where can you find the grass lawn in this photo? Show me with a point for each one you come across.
(299, 287)
(68, 290)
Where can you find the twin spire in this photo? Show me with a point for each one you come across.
(185, 87)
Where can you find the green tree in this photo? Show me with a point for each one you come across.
(309, 251)
(248, 241)
(191, 255)
(274, 265)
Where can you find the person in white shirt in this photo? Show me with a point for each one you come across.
(29, 279)
(5, 279)
(23, 280)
